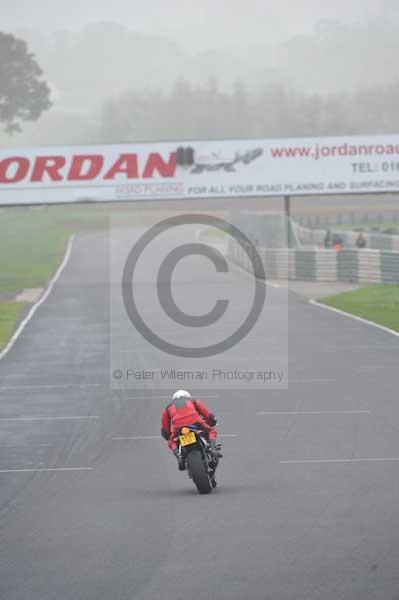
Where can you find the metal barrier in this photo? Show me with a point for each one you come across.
(347, 265)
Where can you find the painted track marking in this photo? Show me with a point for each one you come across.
(49, 386)
(320, 380)
(165, 396)
(354, 317)
(49, 418)
(339, 460)
(46, 294)
(317, 412)
(158, 437)
(46, 469)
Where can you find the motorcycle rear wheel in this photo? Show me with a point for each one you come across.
(198, 472)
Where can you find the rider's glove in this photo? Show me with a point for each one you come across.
(212, 420)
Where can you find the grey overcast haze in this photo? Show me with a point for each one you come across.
(135, 70)
(199, 194)
(210, 22)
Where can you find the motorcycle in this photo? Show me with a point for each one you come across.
(201, 463)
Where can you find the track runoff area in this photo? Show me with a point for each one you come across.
(92, 504)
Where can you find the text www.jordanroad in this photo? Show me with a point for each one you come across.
(316, 151)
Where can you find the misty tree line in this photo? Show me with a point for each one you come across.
(24, 95)
(263, 102)
(206, 112)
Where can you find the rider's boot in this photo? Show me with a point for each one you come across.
(214, 450)
(180, 460)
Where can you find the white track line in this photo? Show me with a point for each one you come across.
(367, 368)
(251, 275)
(48, 386)
(387, 346)
(23, 445)
(356, 318)
(165, 396)
(312, 380)
(139, 437)
(339, 460)
(318, 412)
(47, 418)
(158, 437)
(48, 469)
(248, 274)
(43, 298)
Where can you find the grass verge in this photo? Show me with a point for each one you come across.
(32, 244)
(212, 232)
(379, 304)
(33, 241)
(10, 313)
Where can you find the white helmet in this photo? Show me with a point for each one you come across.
(181, 394)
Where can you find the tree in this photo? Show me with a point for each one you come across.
(24, 95)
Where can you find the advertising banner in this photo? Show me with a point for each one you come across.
(202, 169)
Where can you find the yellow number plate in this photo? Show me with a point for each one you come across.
(188, 438)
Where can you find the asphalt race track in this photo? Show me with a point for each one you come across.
(307, 504)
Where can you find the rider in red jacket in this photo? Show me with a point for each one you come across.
(183, 411)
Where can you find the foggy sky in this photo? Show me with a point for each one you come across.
(191, 22)
(255, 41)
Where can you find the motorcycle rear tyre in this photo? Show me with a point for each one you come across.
(198, 472)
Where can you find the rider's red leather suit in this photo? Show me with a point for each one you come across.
(183, 412)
